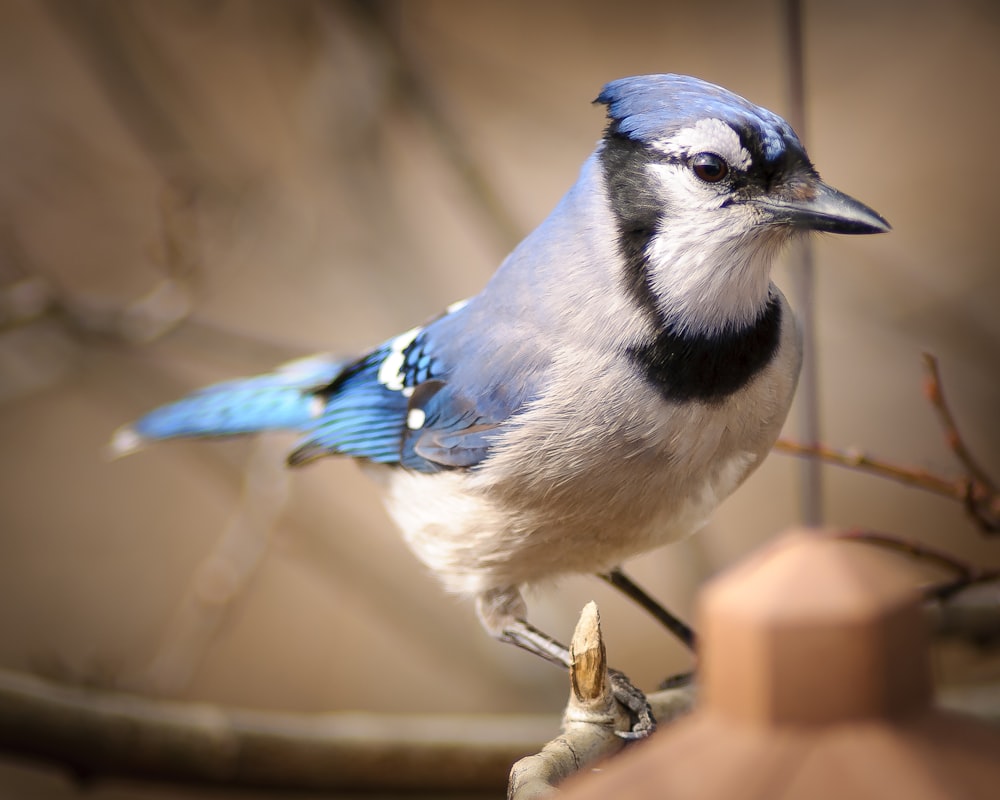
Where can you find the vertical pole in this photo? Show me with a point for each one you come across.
(803, 288)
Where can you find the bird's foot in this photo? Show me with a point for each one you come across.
(640, 712)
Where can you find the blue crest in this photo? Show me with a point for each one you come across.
(648, 107)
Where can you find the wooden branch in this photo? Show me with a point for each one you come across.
(593, 719)
(589, 725)
(96, 734)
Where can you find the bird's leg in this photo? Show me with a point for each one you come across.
(632, 590)
(502, 612)
(522, 633)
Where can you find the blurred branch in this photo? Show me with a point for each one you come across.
(977, 700)
(966, 573)
(225, 573)
(966, 606)
(178, 255)
(970, 613)
(33, 298)
(23, 301)
(920, 552)
(137, 80)
(975, 490)
(96, 734)
(418, 90)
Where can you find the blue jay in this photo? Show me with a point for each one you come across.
(626, 368)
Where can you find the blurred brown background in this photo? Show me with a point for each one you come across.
(198, 189)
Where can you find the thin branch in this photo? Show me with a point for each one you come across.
(419, 90)
(965, 607)
(97, 734)
(967, 573)
(934, 390)
(976, 490)
(916, 550)
(981, 499)
(223, 576)
(954, 489)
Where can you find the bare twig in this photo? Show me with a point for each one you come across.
(416, 87)
(225, 573)
(976, 490)
(966, 573)
(953, 489)
(97, 734)
(935, 394)
(966, 606)
(980, 498)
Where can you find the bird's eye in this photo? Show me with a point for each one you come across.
(709, 167)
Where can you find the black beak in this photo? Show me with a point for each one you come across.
(826, 210)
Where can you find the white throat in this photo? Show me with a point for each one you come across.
(708, 284)
(710, 262)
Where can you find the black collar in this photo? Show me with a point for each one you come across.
(709, 368)
(684, 367)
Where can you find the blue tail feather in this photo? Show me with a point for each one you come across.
(282, 400)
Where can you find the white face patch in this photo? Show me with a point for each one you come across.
(390, 371)
(707, 136)
(709, 264)
(415, 419)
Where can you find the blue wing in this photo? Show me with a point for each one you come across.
(396, 405)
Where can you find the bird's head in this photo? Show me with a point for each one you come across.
(705, 187)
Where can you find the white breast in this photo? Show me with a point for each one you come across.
(473, 544)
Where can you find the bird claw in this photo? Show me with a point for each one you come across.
(640, 712)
